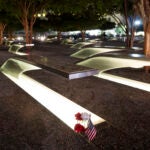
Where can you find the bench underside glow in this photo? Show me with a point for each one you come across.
(60, 106)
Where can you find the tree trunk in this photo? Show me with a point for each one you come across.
(58, 35)
(10, 35)
(30, 33)
(2, 27)
(83, 35)
(147, 40)
(1, 37)
(131, 42)
(27, 33)
(147, 44)
(127, 24)
(32, 21)
(143, 8)
(26, 29)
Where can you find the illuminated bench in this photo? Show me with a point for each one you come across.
(81, 44)
(104, 63)
(16, 48)
(14, 69)
(91, 51)
(8, 43)
(70, 71)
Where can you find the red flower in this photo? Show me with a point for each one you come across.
(78, 116)
(79, 128)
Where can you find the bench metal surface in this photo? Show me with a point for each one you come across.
(70, 71)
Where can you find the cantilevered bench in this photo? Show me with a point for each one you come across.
(104, 64)
(9, 43)
(70, 71)
(16, 48)
(81, 45)
(91, 51)
(15, 67)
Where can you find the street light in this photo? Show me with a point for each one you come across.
(41, 15)
(137, 23)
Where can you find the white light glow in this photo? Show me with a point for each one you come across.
(137, 22)
(81, 44)
(44, 14)
(19, 38)
(91, 51)
(59, 105)
(15, 48)
(111, 32)
(29, 45)
(125, 81)
(137, 48)
(21, 54)
(108, 63)
(136, 55)
(140, 33)
(104, 63)
(42, 38)
(39, 15)
(95, 32)
(15, 67)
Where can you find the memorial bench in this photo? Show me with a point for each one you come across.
(70, 71)
(8, 43)
(19, 49)
(105, 63)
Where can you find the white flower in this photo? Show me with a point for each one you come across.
(85, 116)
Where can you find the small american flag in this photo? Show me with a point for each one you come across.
(91, 130)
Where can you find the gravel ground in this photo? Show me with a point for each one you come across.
(26, 125)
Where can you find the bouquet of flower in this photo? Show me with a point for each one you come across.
(81, 122)
(85, 125)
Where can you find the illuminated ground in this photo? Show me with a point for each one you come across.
(25, 124)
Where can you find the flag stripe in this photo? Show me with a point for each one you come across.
(91, 130)
(91, 134)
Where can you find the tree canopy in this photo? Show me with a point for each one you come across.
(67, 15)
